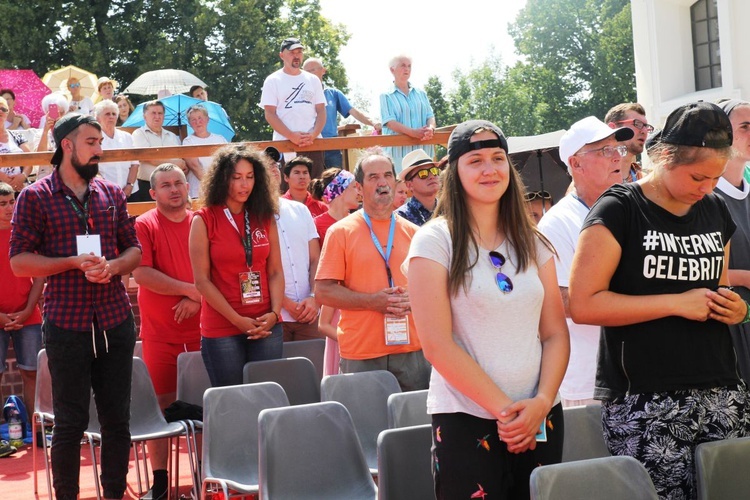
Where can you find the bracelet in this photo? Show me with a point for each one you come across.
(275, 314)
(747, 314)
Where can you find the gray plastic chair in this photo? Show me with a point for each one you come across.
(314, 350)
(192, 383)
(312, 452)
(42, 417)
(721, 469)
(365, 395)
(405, 463)
(296, 375)
(608, 478)
(408, 408)
(584, 437)
(146, 423)
(138, 349)
(230, 434)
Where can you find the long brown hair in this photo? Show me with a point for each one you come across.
(513, 220)
(262, 202)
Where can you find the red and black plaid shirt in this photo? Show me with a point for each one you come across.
(46, 223)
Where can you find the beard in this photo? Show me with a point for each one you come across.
(88, 170)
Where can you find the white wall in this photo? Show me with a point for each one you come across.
(662, 43)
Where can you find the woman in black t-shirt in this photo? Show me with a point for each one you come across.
(651, 268)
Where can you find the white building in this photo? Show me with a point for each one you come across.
(688, 50)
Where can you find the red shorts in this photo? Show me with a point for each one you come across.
(161, 361)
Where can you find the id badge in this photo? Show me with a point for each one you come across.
(250, 290)
(541, 436)
(396, 330)
(89, 243)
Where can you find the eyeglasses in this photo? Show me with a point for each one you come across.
(503, 282)
(425, 173)
(75, 85)
(542, 195)
(640, 125)
(608, 151)
(4, 110)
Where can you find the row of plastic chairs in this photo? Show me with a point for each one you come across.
(255, 442)
(146, 423)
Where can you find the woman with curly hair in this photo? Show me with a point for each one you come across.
(234, 250)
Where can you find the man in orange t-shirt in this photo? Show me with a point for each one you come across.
(376, 330)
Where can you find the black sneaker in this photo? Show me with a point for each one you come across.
(6, 449)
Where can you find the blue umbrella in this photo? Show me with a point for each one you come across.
(175, 107)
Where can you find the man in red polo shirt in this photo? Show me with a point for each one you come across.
(297, 176)
(167, 297)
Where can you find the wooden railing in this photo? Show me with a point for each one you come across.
(351, 142)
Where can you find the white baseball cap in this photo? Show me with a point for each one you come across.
(587, 131)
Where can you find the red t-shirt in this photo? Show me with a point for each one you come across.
(165, 248)
(227, 256)
(314, 206)
(322, 223)
(14, 292)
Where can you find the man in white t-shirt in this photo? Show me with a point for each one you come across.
(294, 103)
(593, 153)
(198, 119)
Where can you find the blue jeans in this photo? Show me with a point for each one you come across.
(27, 342)
(75, 371)
(225, 357)
(333, 158)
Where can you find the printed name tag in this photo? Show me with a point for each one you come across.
(89, 243)
(250, 290)
(396, 330)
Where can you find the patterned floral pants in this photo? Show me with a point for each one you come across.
(470, 461)
(661, 430)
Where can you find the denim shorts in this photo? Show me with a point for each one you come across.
(27, 342)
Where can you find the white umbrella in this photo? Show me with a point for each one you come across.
(175, 81)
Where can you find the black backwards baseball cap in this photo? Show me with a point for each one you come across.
(65, 126)
(291, 44)
(700, 124)
(460, 143)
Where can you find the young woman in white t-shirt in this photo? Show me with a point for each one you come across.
(490, 317)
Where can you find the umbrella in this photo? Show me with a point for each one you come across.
(29, 90)
(176, 81)
(175, 107)
(58, 80)
(538, 161)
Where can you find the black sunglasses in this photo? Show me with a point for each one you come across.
(503, 282)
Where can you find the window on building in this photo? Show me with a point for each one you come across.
(706, 54)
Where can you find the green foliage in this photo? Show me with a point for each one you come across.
(577, 60)
(232, 45)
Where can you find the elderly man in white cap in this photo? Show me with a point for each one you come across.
(593, 153)
(422, 176)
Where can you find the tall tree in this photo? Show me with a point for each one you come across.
(232, 45)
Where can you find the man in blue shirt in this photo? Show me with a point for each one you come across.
(422, 177)
(406, 110)
(336, 102)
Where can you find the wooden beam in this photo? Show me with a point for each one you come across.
(350, 142)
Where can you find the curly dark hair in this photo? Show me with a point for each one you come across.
(262, 202)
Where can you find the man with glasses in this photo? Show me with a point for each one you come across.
(633, 116)
(593, 153)
(422, 177)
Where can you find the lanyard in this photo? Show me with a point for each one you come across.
(387, 255)
(84, 216)
(247, 241)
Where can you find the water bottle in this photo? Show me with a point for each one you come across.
(15, 424)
